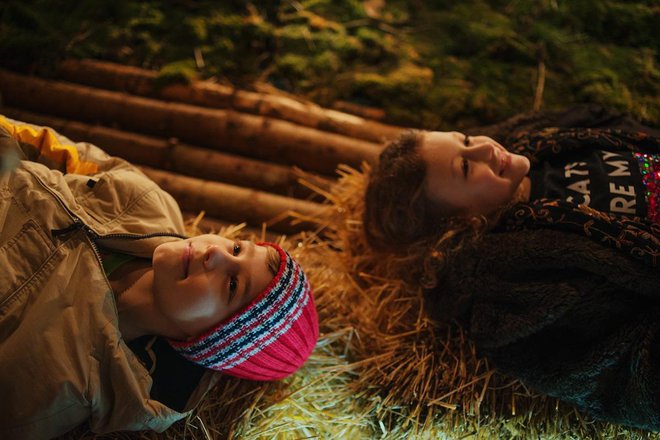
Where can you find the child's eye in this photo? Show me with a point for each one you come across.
(465, 165)
(466, 142)
(237, 248)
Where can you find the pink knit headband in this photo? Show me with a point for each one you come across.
(268, 340)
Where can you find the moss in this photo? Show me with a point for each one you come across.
(376, 46)
(317, 22)
(219, 57)
(147, 18)
(614, 75)
(197, 28)
(369, 37)
(407, 82)
(648, 109)
(398, 91)
(330, 49)
(557, 42)
(448, 97)
(606, 90)
(623, 23)
(326, 63)
(298, 38)
(339, 10)
(176, 72)
(292, 65)
(470, 36)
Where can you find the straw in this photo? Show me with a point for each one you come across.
(381, 368)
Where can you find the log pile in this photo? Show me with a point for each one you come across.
(237, 155)
(142, 82)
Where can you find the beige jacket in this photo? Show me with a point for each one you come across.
(62, 358)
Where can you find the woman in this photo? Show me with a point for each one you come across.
(108, 314)
(547, 252)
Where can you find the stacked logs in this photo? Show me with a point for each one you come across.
(142, 82)
(237, 155)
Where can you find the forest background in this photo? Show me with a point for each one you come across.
(432, 64)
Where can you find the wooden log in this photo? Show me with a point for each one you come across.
(210, 225)
(255, 136)
(140, 82)
(359, 110)
(169, 154)
(235, 204)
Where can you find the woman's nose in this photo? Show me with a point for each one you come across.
(217, 257)
(482, 152)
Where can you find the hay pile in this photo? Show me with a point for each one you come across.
(380, 369)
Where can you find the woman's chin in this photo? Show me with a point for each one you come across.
(520, 164)
(528, 164)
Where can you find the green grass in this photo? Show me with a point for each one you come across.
(440, 64)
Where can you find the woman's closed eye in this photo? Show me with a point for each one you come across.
(465, 164)
(465, 167)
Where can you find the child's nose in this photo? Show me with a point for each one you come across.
(217, 257)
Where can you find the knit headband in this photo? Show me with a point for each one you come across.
(271, 338)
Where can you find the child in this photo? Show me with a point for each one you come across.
(108, 314)
(547, 252)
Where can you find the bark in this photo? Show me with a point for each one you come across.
(208, 94)
(235, 204)
(171, 155)
(226, 130)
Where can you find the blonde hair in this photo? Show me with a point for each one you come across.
(272, 260)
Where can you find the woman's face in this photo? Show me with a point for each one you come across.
(204, 280)
(470, 175)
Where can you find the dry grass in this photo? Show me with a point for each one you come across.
(381, 368)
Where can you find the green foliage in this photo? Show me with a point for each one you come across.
(178, 71)
(441, 64)
(339, 10)
(503, 45)
(623, 23)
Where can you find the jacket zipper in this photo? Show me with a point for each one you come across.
(90, 235)
(93, 235)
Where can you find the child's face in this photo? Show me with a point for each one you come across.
(204, 280)
(473, 178)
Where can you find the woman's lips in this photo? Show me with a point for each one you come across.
(187, 253)
(505, 161)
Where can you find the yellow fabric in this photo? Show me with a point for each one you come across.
(49, 146)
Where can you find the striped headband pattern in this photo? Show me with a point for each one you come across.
(262, 329)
